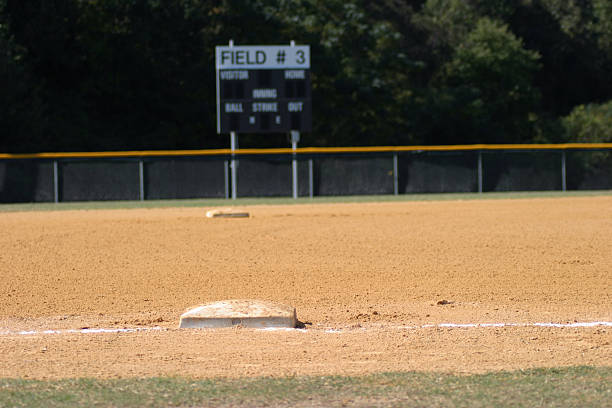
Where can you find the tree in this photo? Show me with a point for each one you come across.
(139, 74)
(601, 25)
(21, 109)
(571, 37)
(360, 74)
(490, 77)
(589, 123)
(134, 74)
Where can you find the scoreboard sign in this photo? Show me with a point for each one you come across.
(263, 89)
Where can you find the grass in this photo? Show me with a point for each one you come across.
(95, 205)
(559, 387)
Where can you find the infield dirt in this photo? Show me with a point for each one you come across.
(358, 275)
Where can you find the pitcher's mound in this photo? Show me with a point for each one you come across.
(244, 313)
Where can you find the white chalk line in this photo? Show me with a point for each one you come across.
(486, 325)
(477, 325)
(80, 331)
(326, 330)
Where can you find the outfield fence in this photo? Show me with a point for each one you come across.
(178, 174)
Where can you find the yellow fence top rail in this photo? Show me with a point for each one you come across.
(305, 150)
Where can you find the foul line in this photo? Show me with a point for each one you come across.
(80, 331)
(477, 325)
(485, 325)
(327, 330)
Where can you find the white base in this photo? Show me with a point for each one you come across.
(226, 213)
(244, 313)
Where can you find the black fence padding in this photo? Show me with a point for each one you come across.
(438, 172)
(303, 177)
(264, 176)
(589, 170)
(184, 178)
(31, 180)
(26, 181)
(99, 180)
(353, 175)
(521, 171)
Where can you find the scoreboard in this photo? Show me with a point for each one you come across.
(263, 89)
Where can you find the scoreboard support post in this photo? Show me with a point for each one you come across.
(263, 89)
(233, 169)
(295, 138)
(233, 166)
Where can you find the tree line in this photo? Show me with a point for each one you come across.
(88, 75)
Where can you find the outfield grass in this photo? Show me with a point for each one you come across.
(215, 202)
(559, 387)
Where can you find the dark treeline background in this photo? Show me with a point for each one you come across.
(88, 75)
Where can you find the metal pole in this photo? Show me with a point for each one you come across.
(226, 177)
(395, 175)
(233, 165)
(234, 146)
(141, 179)
(295, 136)
(294, 170)
(55, 182)
(310, 179)
(480, 171)
(563, 172)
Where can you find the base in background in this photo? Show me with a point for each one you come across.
(226, 213)
(244, 313)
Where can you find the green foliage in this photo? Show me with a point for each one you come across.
(21, 110)
(494, 67)
(359, 73)
(493, 58)
(568, 36)
(484, 92)
(139, 74)
(589, 123)
(149, 70)
(446, 21)
(601, 25)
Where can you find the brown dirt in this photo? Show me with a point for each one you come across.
(362, 270)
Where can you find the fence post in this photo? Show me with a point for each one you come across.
(563, 172)
(395, 175)
(310, 178)
(141, 179)
(55, 182)
(226, 174)
(480, 171)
